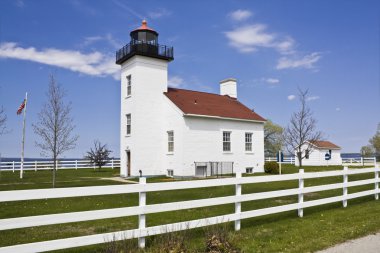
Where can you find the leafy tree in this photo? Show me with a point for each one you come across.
(99, 155)
(367, 150)
(302, 131)
(55, 125)
(375, 140)
(3, 120)
(273, 141)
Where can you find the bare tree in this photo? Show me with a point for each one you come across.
(3, 120)
(99, 155)
(302, 131)
(55, 125)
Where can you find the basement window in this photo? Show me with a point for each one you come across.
(249, 170)
(170, 173)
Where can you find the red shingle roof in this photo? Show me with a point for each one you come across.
(325, 144)
(208, 104)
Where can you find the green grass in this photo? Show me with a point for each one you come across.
(321, 226)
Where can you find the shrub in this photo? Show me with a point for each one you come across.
(271, 168)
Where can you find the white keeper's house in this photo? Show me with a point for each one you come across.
(323, 153)
(168, 131)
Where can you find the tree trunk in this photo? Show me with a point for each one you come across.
(299, 156)
(54, 169)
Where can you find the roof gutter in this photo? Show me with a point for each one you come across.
(223, 118)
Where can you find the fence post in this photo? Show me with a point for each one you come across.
(76, 164)
(345, 182)
(13, 166)
(142, 202)
(362, 161)
(56, 164)
(300, 194)
(112, 163)
(377, 182)
(237, 204)
(35, 165)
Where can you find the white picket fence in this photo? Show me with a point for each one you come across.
(142, 209)
(287, 159)
(48, 165)
(362, 161)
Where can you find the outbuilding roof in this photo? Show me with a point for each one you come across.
(325, 144)
(196, 103)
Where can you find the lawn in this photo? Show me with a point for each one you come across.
(320, 227)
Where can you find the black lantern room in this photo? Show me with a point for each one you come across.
(144, 41)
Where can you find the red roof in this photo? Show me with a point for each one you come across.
(208, 104)
(325, 144)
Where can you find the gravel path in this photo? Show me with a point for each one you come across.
(368, 244)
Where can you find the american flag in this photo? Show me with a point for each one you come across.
(22, 106)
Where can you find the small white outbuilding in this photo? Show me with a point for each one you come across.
(323, 153)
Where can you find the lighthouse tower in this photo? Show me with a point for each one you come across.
(144, 79)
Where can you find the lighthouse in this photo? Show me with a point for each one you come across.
(144, 79)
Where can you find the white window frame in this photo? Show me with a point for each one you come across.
(226, 140)
(129, 85)
(248, 137)
(170, 141)
(129, 124)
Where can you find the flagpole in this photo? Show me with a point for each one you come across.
(23, 137)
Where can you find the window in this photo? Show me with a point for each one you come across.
(307, 154)
(128, 124)
(170, 141)
(248, 142)
(249, 170)
(129, 85)
(170, 173)
(226, 141)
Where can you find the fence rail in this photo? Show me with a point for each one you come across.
(48, 165)
(362, 161)
(142, 209)
(287, 160)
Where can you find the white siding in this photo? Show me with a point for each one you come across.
(317, 157)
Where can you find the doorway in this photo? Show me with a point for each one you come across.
(128, 163)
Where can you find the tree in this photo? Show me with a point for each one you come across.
(3, 120)
(99, 155)
(375, 140)
(55, 125)
(273, 141)
(367, 151)
(301, 132)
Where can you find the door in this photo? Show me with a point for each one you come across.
(129, 163)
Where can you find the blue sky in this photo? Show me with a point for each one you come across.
(271, 47)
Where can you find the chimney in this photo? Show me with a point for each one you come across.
(228, 87)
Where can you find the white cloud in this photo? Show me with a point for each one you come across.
(159, 13)
(272, 80)
(107, 38)
(337, 109)
(175, 81)
(20, 3)
(240, 15)
(312, 98)
(291, 97)
(94, 64)
(250, 38)
(306, 61)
